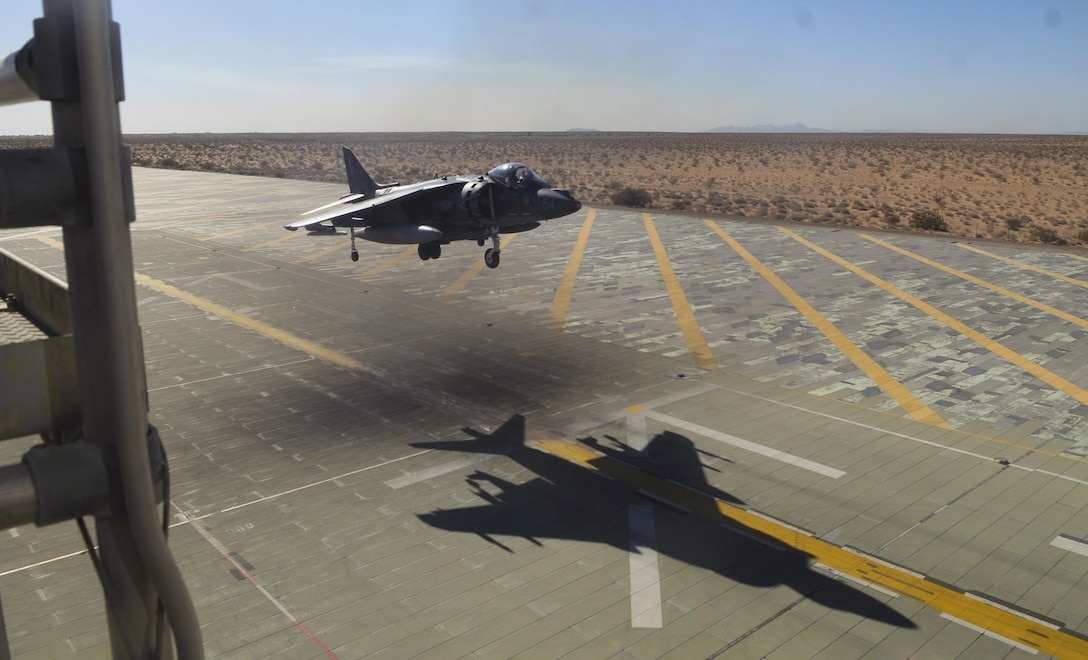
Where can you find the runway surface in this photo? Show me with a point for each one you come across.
(643, 435)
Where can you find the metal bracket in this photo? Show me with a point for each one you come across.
(54, 67)
(74, 479)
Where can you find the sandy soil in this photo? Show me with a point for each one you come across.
(1020, 187)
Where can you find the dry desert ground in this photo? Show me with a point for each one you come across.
(1018, 187)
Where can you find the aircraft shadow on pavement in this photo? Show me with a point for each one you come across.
(566, 501)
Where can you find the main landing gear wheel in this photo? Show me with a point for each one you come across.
(354, 252)
(354, 255)
(431, 250)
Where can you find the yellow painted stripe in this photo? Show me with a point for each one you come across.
(1025, 266)
(260, 327)
(876, 372)
(561, 303)
(685, 317)
(389, 263)
(242, 230)
(983, 283)
(322, 253)
(461, 282)
(996, 620)
(270, 243)
(1040, 372)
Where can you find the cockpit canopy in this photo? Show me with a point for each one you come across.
(517, 175)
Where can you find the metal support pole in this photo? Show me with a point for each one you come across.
(137, 564)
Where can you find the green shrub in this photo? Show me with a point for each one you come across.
(1045, 235)
(631, 197)
(928, 220)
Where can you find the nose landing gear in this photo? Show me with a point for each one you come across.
(491, 255)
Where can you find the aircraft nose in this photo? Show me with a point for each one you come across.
(557, 202)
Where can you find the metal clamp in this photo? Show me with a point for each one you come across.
(55, 483)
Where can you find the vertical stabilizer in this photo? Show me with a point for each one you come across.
(358, 180)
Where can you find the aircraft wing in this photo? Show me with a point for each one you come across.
(352, 208)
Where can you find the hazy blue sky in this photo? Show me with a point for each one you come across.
(637, 65)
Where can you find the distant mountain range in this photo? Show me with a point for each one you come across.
(801, 128)
(770, 128)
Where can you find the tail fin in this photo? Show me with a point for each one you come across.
(358, 180)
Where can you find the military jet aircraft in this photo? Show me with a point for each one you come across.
(510, 198)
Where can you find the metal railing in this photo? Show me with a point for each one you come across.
(99, 457)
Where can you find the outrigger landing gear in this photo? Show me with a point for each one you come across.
(354, 252)
(491, 255)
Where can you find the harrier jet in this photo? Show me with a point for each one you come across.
(510, 198)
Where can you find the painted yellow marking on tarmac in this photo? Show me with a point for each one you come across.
(1040, 372)
(461, 282)
(561, 304)
(260, 327)
(685, 316)
(389, 263)
(346, 247)
(980, 282)
(636, 409)
(1025, 266)
(242, 230)
(270, 243)
(214, 199)
(1004, 623)
(874, 370)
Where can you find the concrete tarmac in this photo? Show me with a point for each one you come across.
(643, 435)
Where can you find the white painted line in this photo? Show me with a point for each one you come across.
(1072, 545)
(780, 523)
(900, 435)
(864, 583)
(265, 498)
(645, 578)
(232, 375)
(637, 439)
(665, 400)
(1062, 476)
(667, 502)
(436, 471)
(877, 560)
(752, 537)
(233, 559)
(983, 631)
(44, 562)
(1022, 615)
(585, 422)
(753, 447)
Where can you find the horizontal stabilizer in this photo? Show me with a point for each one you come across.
(347, 199)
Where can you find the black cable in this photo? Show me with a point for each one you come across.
(106, 592)
(160, 614)
(90, 550)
